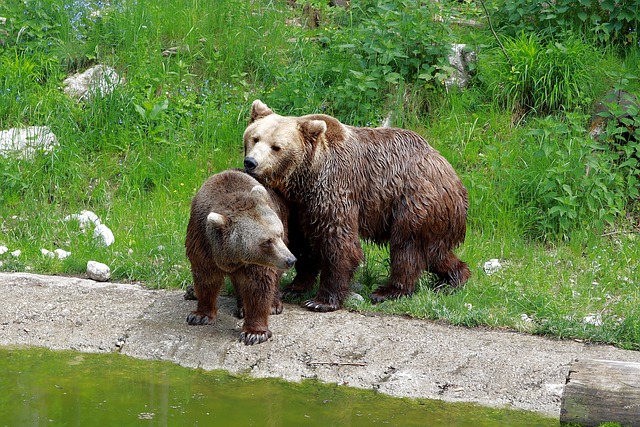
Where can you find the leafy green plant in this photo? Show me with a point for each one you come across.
(621, 137)
(605, 21)
(572, 180)
(387, 48)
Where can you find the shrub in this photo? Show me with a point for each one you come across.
(572, 182)
(621, 138)
(358, 64)
(603, 21)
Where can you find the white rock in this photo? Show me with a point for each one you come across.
(25, 142)
(62, 254)
(593, 319)
(525, 318)
(98, 271)
(84, 218)
(100, 79)
(47, 253)
(3, 250)
(103, 235)
(16, 253)
(492, 266)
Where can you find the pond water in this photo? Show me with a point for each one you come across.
(41, 387)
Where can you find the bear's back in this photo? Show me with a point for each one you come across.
(225, 193)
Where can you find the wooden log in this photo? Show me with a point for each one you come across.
(599, 391)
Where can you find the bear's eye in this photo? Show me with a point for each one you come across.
(275, 148)
(266, 244)
(256, 139)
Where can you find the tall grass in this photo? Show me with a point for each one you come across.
(137, 155)
(543, 76)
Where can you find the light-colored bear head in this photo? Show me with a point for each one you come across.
(252, 235)
(276, 146)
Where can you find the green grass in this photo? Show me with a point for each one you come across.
(567, 240)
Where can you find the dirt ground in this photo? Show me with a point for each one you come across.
(394, 355)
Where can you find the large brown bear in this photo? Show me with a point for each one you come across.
(385, 185)
(236, 229)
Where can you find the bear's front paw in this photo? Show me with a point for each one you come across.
(198, 318)
(251, 338)
(314, 305)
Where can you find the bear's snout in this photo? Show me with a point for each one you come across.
(250, 164)
(291, 261)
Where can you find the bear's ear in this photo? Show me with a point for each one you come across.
(217, 219)
(312, 129)
(259, 110)
(259, 192)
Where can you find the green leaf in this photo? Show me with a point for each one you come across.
(158, 108)
(141, 111)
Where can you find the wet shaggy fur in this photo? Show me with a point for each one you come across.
(236, 229)
(345, 182)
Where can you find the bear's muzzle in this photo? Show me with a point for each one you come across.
(250, 164)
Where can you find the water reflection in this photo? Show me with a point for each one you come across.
(42, 387)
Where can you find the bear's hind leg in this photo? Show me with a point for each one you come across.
(206, 284)
(451, 271)
(407, 265)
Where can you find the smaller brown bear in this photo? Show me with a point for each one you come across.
(238, 229)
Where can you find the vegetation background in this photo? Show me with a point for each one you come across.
(556, 207)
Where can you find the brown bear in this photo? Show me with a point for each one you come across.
(236, 229)
(382, 184)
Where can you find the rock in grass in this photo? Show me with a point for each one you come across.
(84, 218)
(25, 142)
(492, 266)
(98, 271)
(98, 80)
(58, 253)
(103, 235)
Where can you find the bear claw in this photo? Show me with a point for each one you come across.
(249, 338)
(199, 319)
(319, 307)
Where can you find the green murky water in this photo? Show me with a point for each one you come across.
(40, 387)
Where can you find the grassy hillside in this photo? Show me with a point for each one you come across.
(557, 208)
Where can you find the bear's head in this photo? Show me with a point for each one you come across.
(276, 146)
(250, 235)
